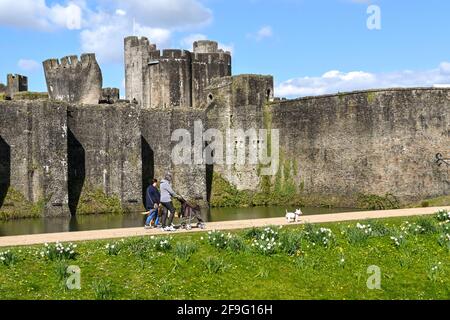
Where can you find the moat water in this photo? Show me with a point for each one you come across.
(99, 222)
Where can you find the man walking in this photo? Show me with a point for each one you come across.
(152, 202)
(166, 200)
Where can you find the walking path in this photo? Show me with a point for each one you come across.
(226, 225)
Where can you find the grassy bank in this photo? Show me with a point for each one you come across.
(328, 261)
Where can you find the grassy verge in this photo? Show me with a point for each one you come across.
(328, 261)
(16, 206)
(435, 202)
(95, 201)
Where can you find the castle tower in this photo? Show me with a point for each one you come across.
(172, 78)
(137, 55)
(15, 83)
(157, 79)
(74, 80)
(208, 63)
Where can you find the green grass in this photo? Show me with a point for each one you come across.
(434, 202)
(193, 268)
(16, 206)
(27, 95)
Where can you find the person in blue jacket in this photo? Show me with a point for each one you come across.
(152, 202)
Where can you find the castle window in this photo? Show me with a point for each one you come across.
(269, 94)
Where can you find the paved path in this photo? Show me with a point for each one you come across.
(226, 225)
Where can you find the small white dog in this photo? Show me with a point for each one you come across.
(293, 216)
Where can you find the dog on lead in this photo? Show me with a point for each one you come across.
(293, 216)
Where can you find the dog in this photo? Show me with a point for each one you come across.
(293, 216)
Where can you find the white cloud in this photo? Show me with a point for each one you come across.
(263, 33)
(29, 65)
(337, 81)
(188, 41)
(121, 12)
(167, 13)
(69, 17)
(105, 37)
(155, 19)
(36, 14)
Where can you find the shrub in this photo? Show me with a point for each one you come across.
(444, 240)
(421, 226)
(266, 243)
(214, 265)
(7, 258)
(443, 216)
(113, 249)
(162, 244)
(218, 239)
(290, 242)
(58, 251)
(376, 202)
(252, 233)
(184, 251)
(434, 271)
(236, 243)
(427, 225)
(319, 236)
(379, 229)
(61, 270)
(359, 234)
(399, 240)
(103, 290)
(139, 246)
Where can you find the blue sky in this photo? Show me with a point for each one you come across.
(310, 46)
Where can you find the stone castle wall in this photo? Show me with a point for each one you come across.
(33, 153)
(87, 151)
(372, 142)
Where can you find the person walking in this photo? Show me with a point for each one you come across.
(166, 201)
(152, 202)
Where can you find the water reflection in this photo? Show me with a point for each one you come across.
(99, 222)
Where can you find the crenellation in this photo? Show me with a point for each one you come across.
(116, 146)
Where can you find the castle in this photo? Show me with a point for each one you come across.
(60, 155)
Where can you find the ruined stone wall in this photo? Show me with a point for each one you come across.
(33, 156)
(157, 127)
(373, 142)
(238, 103)
(73, 80)
(105, 152)
(16, 83)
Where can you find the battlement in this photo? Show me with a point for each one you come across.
(212, 58)
(170, 54)
(142, 42)
(70, 62)
(74, 80)
(206, 46)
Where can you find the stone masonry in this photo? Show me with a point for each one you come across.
(86, 141)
